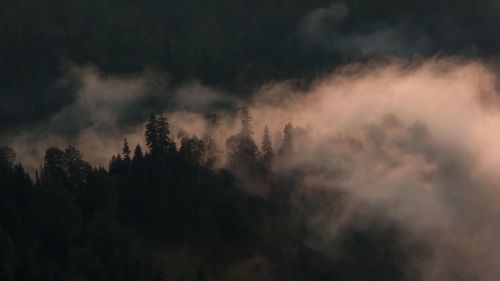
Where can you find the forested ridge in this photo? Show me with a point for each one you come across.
(388, 172)
(167, 211)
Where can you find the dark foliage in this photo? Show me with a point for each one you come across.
(168, 215)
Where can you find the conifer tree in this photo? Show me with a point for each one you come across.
(116, 165)
(112, 162)
(288, 136)
(76, 169)
(192, 149)
(126, 152)
(151, 135)
(211, 149)
(242, 148)
(138, 155)
(267, 147)
(165, 143)
(158, 139)
(246, 122)
(54, 164)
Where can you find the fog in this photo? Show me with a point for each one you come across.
(411, 142)
(417, 142)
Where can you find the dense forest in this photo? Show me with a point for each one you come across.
(168, 212)
(388, 172)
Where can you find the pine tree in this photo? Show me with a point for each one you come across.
(288, 136)
(192, 149)
(242, 148)
(119, 159)
(267, 147)
(212, 151)
(138, 155)
(151, 135)
(116, 164)
(112, 165)
(246, 121)
(76, 169)
(165, 143)
(158, 139)
(54, 164)
(126, 152)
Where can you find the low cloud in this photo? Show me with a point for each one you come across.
(415, 141)
(105, 109)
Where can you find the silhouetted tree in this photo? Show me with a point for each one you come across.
(212, 150)
(288, 140)
(157, 136)
(167, 145)
(152, 135)
(246, 122)
(138, 155)
(267, 147)
(192, 149)
(54, 164)
(77, 170)
(126, 152)
(161, 213)
(116, 165)
(241, 147)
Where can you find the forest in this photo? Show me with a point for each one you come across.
(268, 140)
(168, 212)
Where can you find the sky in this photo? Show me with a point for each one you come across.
(232, 46)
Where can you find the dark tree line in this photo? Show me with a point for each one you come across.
(165, 213)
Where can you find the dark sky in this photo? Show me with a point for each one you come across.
(227, 44)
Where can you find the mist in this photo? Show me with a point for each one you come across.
(269, 140)
(417, 141)
(413, 143)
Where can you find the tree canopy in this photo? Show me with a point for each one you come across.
(170, 214)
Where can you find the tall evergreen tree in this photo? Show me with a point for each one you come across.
(267, 147)
(138, 155)
(158, 136)
(288, 140)
(246, 122)
(192, 149)
(112, 162)
(126, 152)
(116, 165)
(151, 135)
(241, 147)
(76, 169)
(54, 164)
(212, 151)
(166, 144)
